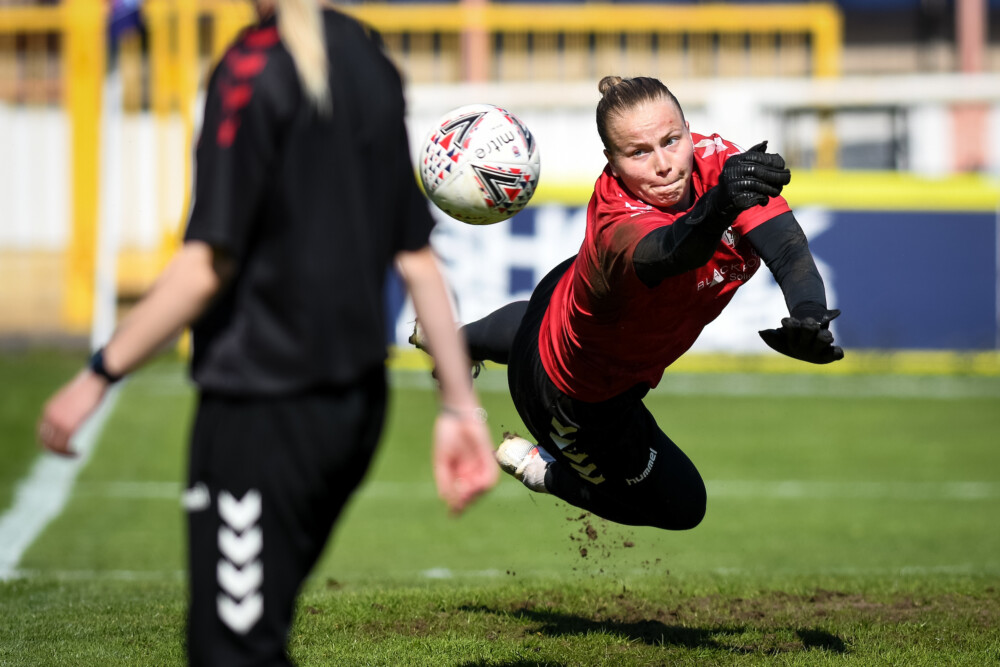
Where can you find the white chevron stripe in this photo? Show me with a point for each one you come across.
(240, 582)
(563, 430)
(559, 434)
(584, 470)
(561, 443)
(196, 498)
(240, 514)
(240, 616)
(240, 548)
(593, 480)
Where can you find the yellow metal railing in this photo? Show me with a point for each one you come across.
(56, 55)
(81, 24)
(539, 42)
(64, 47)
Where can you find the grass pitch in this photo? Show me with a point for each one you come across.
(851, 520)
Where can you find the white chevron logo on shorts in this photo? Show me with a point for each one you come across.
(240, 572)
(240, 616)
(240, 514)
(240, 582)
(560, 432)
(585, 471)
(240, 548)
(196, 498)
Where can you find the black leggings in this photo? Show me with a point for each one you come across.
(611, 457)
(491, 338)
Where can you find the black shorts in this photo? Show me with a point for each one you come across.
(613, 458)
(268, 478)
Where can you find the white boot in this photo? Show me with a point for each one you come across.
(524, 461)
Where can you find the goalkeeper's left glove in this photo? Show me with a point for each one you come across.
(805, 339)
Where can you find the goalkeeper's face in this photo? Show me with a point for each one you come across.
(652, 153)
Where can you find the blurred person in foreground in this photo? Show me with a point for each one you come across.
(677, 223)
(305, 196)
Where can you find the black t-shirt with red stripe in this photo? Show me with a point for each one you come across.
(312, 209)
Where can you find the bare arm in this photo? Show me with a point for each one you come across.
(428, 290)
(463, 455)
(178, 297)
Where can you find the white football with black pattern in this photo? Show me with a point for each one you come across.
(480, 164)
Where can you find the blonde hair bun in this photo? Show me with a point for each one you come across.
(607, 83)
(618, 95)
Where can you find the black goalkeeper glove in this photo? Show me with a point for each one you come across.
(805, 339)
(748, 179)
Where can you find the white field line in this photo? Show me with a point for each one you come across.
(818, 490)
(729, 489)
(105, 575)
(903, 570)
(942, 387)
(494, 380)
(41, 496)
(989, 570)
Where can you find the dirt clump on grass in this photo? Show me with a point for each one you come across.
(768, 623)
(602, 538)
(765, 623)
(780, 608)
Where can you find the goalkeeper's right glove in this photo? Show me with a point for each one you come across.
(748, 179)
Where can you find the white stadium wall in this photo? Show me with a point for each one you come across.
(142, 168)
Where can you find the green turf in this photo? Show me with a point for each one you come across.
(26, 380)
(845, 525)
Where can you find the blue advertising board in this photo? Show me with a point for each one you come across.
(903, 279)
(913, 280)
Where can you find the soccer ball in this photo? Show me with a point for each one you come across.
(480, 164)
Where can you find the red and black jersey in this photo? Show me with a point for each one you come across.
(604, 330)
(312, 207)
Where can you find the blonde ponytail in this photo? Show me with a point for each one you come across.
(300, 23)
